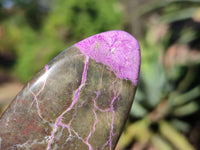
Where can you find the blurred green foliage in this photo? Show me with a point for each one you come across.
(36, 31)
(165, 113)
(166, 107)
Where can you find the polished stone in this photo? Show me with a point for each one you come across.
(79, 101)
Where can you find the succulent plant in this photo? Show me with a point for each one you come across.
(169, 90)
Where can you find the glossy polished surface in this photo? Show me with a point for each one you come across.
(79, 101)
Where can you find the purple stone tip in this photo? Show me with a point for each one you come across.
(117, 49)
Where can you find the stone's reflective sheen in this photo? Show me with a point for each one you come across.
(79, 101)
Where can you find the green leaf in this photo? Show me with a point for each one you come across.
(186, 97)
(174, 136)
(187, 109)
(160, 143)
(179, 14)
(138, 130)
(138, 110)
(180, 125)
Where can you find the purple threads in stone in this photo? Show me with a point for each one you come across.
(38, 93)
(57, 123)
(92, 98)
(117, 49)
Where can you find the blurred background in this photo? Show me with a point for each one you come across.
(166, 110)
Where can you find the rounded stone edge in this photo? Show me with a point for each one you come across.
(117, 49)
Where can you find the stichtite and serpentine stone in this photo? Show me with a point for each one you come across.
(79, 101)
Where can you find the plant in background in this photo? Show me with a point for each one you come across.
(36, 31)
(165, 113)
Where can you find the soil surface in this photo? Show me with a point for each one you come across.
(8, 91)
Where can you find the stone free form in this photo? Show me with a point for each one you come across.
(79, 101)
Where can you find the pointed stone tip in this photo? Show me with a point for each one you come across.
(117, 49)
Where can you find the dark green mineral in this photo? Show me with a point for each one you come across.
(79, 101)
